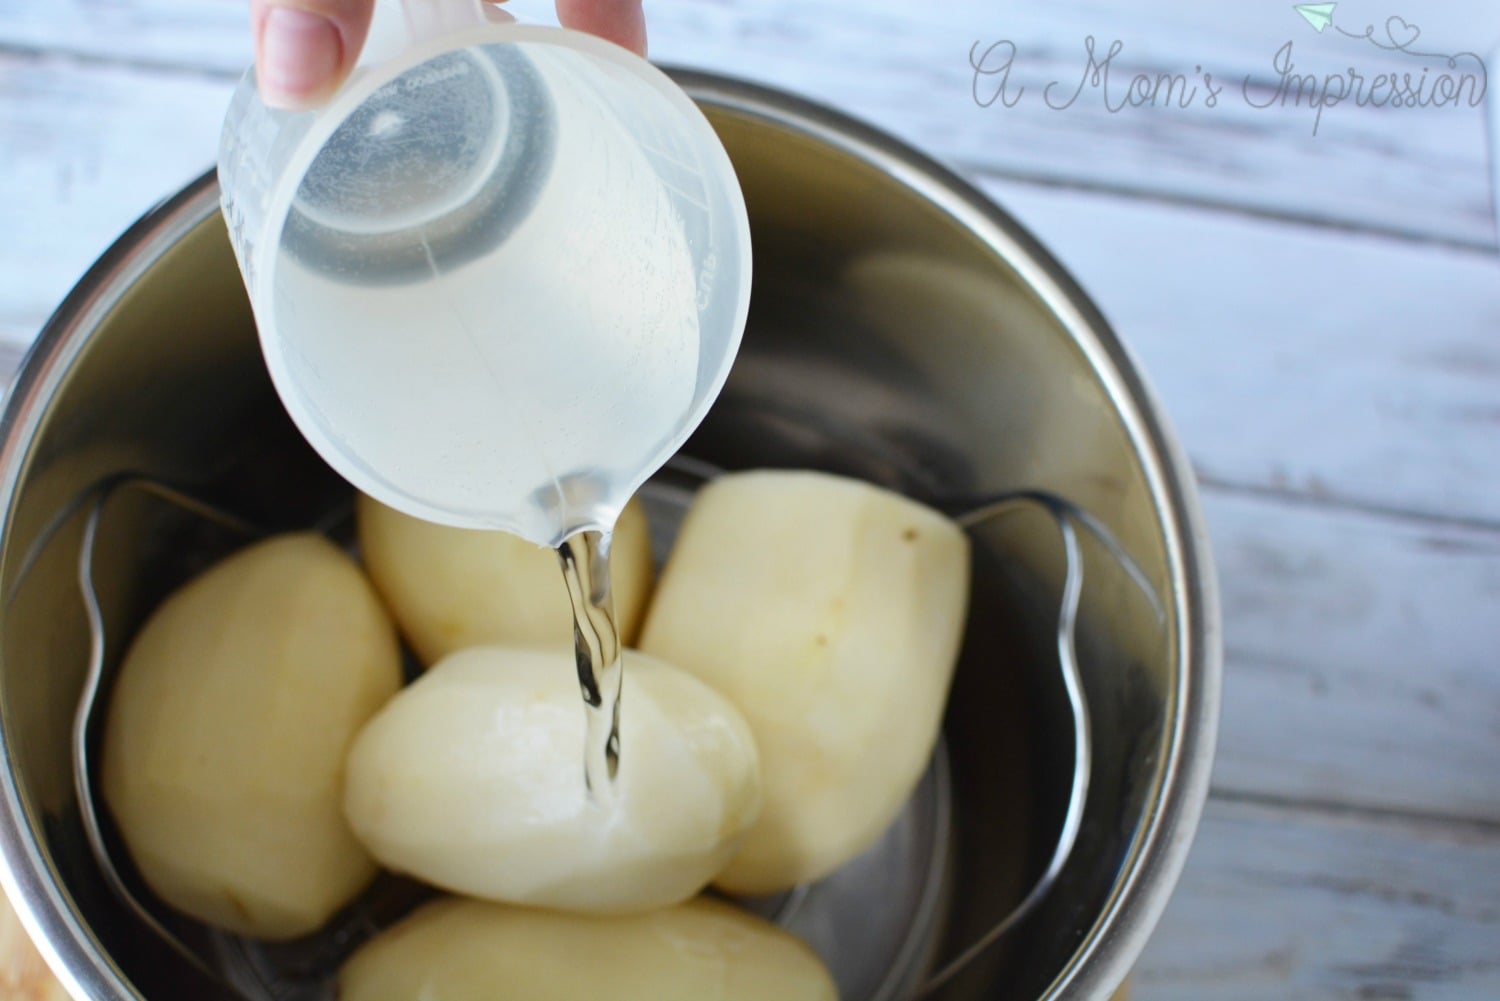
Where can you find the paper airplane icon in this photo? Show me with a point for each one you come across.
(1319, 15)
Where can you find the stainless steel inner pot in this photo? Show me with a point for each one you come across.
(903, 329)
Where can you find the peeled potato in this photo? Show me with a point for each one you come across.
(469, 950)
(472, 779)
(226, 733)
(451, 588)
(830, 612)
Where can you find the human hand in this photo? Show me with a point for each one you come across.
(305, 48)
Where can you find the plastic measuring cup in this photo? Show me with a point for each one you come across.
(500, 277)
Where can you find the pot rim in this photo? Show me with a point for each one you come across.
(28, 879)
(1149, 874)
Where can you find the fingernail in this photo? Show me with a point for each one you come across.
(300, 56)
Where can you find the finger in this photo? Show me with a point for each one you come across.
(305, 48)
(621, 21)
(495, 12)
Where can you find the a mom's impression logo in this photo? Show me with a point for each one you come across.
(1410, 77)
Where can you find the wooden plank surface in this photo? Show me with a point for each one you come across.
(1306, 905)
(1361, 666)
(86, 150)
(1357, 370)
(1419, 172)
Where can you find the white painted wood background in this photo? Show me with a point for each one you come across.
(1320, 314)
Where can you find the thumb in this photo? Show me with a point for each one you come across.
(305, 48)
(620, 21)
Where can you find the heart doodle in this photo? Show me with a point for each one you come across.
(1398, 28)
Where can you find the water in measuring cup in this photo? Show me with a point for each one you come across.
(486, 333)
